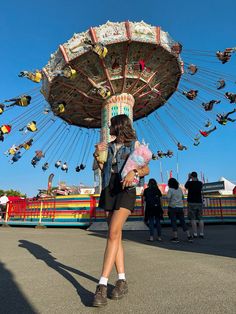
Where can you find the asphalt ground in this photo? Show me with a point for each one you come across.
(56, 271)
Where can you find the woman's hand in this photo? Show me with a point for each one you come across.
(128, 179)
(143, 171)
(101, 146)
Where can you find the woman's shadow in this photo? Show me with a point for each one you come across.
(43, 254)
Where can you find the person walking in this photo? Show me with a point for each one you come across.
(153, 208)
(175, 209)
(195, 202)
(118, 200)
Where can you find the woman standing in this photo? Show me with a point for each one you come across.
(153, 208)
(175, 209)
(118, 200)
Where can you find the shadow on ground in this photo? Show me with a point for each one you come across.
(43, 254)
(219, 240)
(12, 299)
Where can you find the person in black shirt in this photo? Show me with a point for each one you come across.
(194, 187)
(153, 208)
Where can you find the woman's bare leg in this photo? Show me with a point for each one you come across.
(108, 217)
(114, 250)
(119, 262)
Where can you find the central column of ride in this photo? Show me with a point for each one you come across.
(113, 106)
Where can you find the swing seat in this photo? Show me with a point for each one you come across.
(15, 158)
(26, 146)
(34, 162)
(73, 74)
(6, 129)
(37, 77)
(105, 93)
(101, 51)
(23, 102)
(104, 52)
(77, 169)
(32, 128)
(61, 108)
(12, 151)
(45, 167)
(69, 73)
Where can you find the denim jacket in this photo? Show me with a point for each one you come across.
(121, 157)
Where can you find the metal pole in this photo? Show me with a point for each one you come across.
(6, 215)
(177, 167)
(162, 181)
(40, 213)
(39, 226)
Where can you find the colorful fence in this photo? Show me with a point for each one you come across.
(73, 210)
(137, 214)
(82, 210)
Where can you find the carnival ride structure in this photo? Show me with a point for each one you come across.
(129, 68)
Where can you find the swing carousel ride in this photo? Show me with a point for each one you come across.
(118, 68)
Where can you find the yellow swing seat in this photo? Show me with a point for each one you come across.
(61, 108)
(73, 74)
(26, 146)
(32, 127)
(12, 151)
(23, 102)
(5, 129)
(105, 93)
(37, 77)
(100, 50)
(69, 73)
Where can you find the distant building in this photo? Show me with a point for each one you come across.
(229, 187)
(86, 190)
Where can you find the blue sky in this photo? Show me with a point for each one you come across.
(31, 30)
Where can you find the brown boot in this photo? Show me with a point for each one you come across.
(100, 296)
(120, 290)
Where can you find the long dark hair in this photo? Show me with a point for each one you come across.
(122, 128)
(173, 183)
(152, 185)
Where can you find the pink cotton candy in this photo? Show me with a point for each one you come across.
(138, 158)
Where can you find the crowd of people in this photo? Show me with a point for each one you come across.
(152, 197)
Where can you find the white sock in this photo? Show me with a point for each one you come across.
(195, 234)
(201, 234)
(103, 281)
(121, 276)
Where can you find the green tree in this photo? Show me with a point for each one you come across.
(12, 192)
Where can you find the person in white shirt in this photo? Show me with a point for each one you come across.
(3, 204)
(175, 209)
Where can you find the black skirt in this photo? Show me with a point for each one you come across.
(114, 197)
